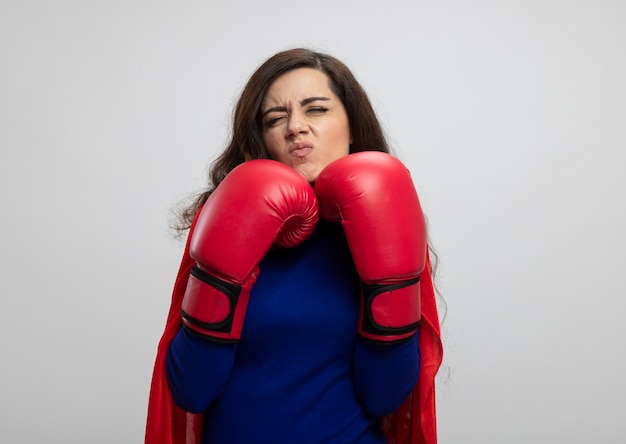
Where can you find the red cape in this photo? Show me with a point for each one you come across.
(413, 423)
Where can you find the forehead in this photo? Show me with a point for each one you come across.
(298, 84)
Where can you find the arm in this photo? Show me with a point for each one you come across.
(385, 374)
(198, 370)
(259, 203)
(372, 195)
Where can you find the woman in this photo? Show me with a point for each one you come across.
(306, 353)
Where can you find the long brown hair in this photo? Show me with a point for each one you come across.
(246, 141)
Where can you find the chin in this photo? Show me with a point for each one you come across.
(311, 178)
(309, 175)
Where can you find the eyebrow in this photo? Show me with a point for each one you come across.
(302, 103)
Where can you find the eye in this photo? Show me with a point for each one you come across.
(317, 110)
(273, 121)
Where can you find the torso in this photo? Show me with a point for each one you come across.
(292, 380)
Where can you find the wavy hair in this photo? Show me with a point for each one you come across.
(246, 142)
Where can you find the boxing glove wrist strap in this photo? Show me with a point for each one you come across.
(390, 312)
(227, 289)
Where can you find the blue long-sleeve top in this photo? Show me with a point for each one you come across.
(300, 374)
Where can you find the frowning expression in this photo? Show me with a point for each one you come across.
(305, 125)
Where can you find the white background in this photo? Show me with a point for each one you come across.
(510, 114)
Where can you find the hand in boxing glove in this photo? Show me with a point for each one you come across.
(259, 203)
(373, 196)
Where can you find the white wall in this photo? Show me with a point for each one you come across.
(510, 114)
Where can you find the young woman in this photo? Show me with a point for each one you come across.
(288, 327)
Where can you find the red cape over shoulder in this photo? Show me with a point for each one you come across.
(413, 423)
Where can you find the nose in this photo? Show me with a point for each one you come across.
(296, 125)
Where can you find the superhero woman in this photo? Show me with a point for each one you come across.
(303, 310)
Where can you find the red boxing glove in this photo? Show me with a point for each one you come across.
(373, 196)
(259, 203)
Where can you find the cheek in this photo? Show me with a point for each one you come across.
(271, 145)
(341, 149)
(342, 134)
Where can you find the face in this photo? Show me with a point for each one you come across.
(305, 125)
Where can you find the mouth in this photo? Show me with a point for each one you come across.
(300, 149)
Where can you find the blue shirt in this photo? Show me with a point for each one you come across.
(300, 373)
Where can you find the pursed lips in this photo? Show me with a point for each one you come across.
(300, 149)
